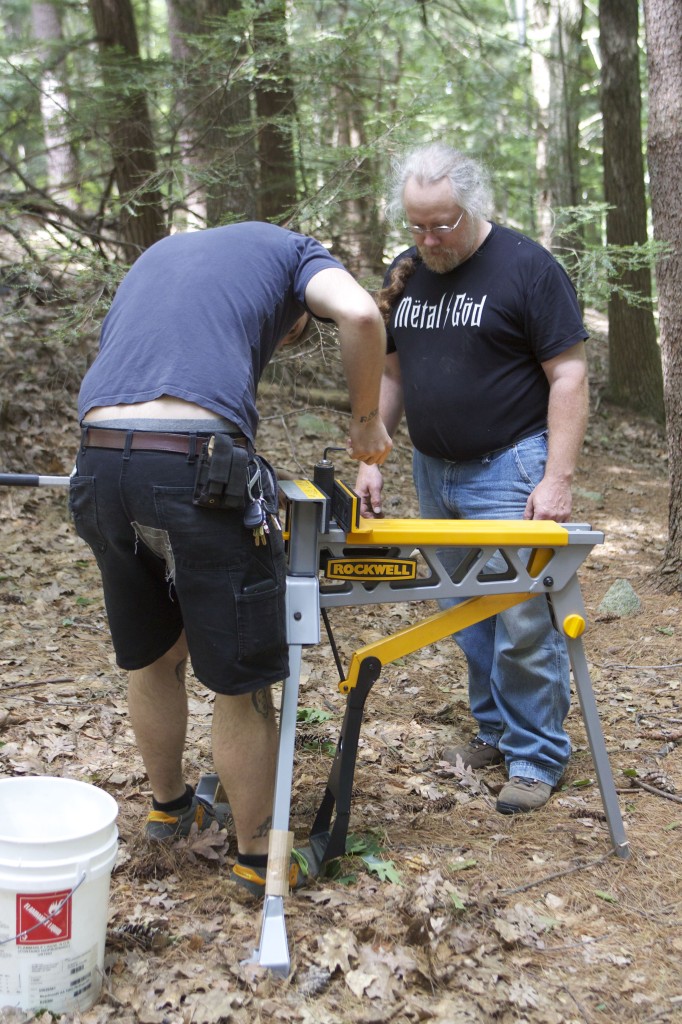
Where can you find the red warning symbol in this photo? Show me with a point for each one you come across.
(43, 917)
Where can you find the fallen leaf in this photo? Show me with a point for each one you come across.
(336, 948)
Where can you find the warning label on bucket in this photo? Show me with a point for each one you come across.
(43, 917)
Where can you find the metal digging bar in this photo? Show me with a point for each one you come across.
(32, 480)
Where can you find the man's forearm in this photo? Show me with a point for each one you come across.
(391, 405)
(362, 357)
(567, 421)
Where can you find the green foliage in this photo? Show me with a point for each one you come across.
(582, 783)
(312, 716)
(84, 293)
(462, 865)
(462, 76)
(385, 870)
(363, 844)
(606, 896)
(596, 268)
(369, 77)
(315, 716)
(367, 848)
(457, 902)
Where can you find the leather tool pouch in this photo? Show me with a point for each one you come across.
(222, 472)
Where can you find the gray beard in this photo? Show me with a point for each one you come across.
(440, 262)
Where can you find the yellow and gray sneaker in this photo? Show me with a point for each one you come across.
(253, 878)
(161, 825)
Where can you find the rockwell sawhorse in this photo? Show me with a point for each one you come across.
(337, 559)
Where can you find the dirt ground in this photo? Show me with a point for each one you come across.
(446, 910)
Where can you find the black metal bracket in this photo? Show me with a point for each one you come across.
(326, 840)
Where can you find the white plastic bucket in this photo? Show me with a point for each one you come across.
(58, 843)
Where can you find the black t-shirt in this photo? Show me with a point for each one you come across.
(471, 343)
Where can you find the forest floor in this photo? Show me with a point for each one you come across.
(470, 916)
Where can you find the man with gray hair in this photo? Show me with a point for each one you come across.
(486, 357)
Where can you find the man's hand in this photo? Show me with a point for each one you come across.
(551, 499)
(369, 441)
(368, 487)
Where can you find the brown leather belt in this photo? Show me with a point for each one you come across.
(149, 440)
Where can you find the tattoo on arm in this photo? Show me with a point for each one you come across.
(263, 828)
(369, 416)
(262, 701)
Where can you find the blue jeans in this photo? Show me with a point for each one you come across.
(519, 680)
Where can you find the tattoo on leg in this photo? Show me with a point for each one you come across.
(263, 828)
(180, 670)
(262, 701)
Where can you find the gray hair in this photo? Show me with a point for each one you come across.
(469, 179)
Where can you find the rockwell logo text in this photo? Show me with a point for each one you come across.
(452, 311)
(360, 569)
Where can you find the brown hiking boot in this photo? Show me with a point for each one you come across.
(520, 795)
(474, 754)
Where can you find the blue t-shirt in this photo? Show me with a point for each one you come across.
(471, 343)
(199, 315)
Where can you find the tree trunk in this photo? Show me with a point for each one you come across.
(132, 145)
(275, 108)
(188, 211)
(218, 128)
(353, 217)
(62, 165)
(557, 32)
(635, 378)
(353, 222)
(227, 140)
(663, 20)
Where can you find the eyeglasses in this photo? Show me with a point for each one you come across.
(437, 229)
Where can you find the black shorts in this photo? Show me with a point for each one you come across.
(167, 564)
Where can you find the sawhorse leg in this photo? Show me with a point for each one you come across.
(595, 738)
